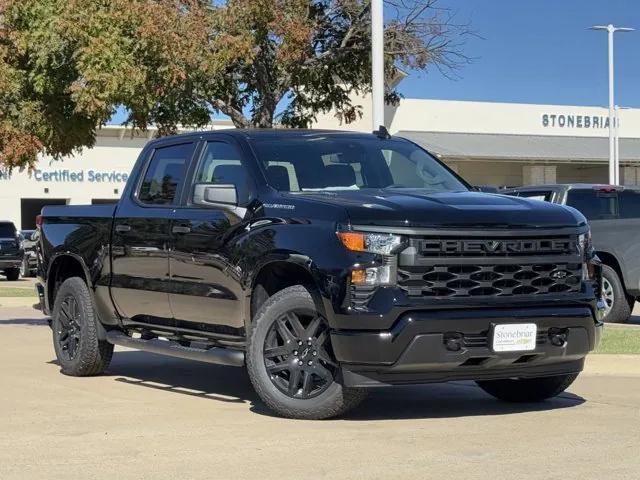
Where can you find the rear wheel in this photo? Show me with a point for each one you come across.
(12, 274)
(290, 361)
(75, 331)
(527, 389)
(617, 307)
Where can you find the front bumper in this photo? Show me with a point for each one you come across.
(415, 349)
(10, 262)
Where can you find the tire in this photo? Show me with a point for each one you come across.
(527, 389)
(615, 297)
(319, 395)
(24, 269)
(75, 327)
(12, 274)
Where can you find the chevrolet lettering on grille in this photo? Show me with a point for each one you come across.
(497, 247)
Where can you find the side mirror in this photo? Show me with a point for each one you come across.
(211, 194)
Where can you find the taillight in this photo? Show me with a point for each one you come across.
(608, 188)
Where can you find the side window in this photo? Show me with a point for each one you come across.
(221, 164)
(629, 204)
(536, 195)
(165, 174)
(592, 204)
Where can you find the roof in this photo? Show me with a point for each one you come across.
(522, 147)
(253, 133)
(559, 187)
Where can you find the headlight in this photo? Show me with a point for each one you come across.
(380, 243)
(586, 250)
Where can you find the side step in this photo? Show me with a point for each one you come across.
(218, 355)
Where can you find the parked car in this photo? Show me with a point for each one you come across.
(10, 251)
(613, 213)
(28, 243)
(327, 263)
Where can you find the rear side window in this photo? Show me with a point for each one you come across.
(7, 230)
(536, 195)
(593, 204)
(629, 204)
(165, 174)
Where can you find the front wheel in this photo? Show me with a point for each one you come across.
(25, 271)
(527, 389)
(12, 274)
(617, 306)
(290, 362)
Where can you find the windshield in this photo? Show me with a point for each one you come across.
(316, 163)
(7, 230)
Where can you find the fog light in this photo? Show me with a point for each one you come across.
(382, 275)
(453, 343)
(558, 337)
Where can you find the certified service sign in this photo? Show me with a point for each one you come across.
(514, 337)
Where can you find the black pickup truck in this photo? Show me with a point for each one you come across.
(327, 263)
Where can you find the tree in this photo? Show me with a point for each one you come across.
(66, 65)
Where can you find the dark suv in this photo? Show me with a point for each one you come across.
(614, 215)
(10, 251)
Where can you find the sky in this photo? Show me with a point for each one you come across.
(540, 51)
(536, 51)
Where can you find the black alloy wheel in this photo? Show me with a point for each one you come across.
(297, 354)
(69, 329)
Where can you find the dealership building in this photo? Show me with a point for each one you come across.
(498, 144)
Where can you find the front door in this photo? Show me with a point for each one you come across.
(206, 290)
(141, 239)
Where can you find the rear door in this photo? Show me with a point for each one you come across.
(206, 280)
(140, 246)
(629, 238)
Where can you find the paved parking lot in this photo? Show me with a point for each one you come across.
(157, 417)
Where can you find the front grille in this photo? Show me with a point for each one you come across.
(490, 280)
(445, 267)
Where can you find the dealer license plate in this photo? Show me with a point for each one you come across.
(514, 337)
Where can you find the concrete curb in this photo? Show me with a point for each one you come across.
(18, 301)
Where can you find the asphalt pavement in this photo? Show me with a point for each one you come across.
(157, 417)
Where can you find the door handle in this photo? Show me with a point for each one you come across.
(122, 228)
(180, 229)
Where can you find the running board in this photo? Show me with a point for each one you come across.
(218, 355)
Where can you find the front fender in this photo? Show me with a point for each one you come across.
(312, 247)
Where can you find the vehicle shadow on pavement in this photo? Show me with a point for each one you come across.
(213, 382)
(232, 385)
(446, 400)
(25, 321)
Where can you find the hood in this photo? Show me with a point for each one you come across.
(447, 209)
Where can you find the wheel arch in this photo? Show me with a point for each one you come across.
(611, 260)
(278, 274)
(62, 266)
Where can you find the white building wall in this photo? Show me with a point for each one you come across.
(94, 173)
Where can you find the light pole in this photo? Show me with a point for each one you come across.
(610, 29)
(616, 161)
(377, 63)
